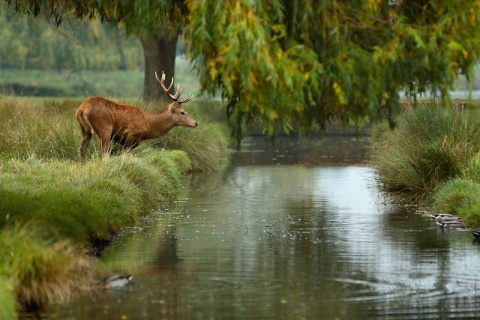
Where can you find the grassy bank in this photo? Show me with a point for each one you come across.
(433, 156)
(52, 206)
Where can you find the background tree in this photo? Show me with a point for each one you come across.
(82, 45)
(157, 24)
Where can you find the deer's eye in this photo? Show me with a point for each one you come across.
(182, 113)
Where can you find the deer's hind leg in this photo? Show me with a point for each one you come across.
(86, 137)
(87, 132)
(105, 141)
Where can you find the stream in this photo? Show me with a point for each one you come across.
(295, 231)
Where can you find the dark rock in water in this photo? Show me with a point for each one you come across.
(476, 236)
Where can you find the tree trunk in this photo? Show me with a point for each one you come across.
(159, 52)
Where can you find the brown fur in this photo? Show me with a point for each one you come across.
(126, 124)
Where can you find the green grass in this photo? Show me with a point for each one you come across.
(460, 196)
(79, 203)
(8, 303)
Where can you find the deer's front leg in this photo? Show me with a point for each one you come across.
(131, 142)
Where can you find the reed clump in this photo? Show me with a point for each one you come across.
(433, 156)
(429, 147)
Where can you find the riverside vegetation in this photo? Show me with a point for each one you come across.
(433, 156)
(54, 207)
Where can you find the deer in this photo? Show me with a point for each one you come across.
(128, 125)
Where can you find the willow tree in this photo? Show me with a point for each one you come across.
(299, 64)
(157, 24)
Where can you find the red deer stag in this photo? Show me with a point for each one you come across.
(128, 125)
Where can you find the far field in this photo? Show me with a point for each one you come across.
(85, 83)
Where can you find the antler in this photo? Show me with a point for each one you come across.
(175, 96)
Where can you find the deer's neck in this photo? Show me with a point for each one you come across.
(160, 123)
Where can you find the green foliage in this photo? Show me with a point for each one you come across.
(429, 147)
(137, 16)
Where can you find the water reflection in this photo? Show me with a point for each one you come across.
(289, 242)
(324, 150)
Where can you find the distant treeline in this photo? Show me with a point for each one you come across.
(35, 43)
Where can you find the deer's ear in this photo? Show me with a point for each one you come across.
(173, 106)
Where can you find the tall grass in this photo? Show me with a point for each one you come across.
(44, 129)
(429, 147)
(47, 129)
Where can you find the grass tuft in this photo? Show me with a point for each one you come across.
(39, 270)
(459, 197)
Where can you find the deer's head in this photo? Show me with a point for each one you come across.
(180, 117)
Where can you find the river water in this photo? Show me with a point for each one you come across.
(299, 231)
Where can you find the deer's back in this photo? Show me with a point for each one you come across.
(120, 116)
